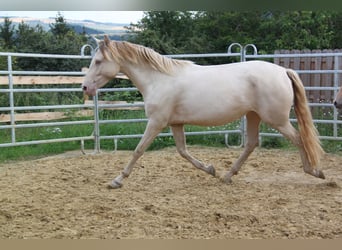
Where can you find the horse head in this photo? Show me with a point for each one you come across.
(102, 68)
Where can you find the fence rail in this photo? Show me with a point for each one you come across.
(321, 72)
(316, 71)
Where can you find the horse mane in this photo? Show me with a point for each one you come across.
(119, 51)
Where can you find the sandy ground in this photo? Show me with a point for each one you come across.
(165, 197)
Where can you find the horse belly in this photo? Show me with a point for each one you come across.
(207, 113)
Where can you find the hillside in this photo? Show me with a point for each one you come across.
(88, 26)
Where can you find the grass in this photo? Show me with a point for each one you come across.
(42, 133)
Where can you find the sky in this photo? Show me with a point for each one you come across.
(99, 16)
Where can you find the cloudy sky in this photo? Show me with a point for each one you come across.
(99, 16)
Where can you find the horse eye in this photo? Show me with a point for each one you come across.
(97, 62)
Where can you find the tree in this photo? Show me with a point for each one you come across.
(60, 28)
(6, 33)
(296, 30)
(213, 31)
(335, 25)
(28, 39)
(59, 40)
(168, 32)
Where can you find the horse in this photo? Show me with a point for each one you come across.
(338, 99)
(180, 92)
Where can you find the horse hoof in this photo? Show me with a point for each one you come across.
(114, 185)
(226, 179)
(211, 170)
(320, 174)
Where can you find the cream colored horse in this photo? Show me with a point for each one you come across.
(178, 92)
(338, 99)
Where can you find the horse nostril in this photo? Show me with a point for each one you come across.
(335, 103)
(84, 88)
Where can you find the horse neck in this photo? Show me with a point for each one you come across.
(143, 77)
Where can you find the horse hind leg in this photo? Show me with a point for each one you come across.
(253, 122)
(180, 140)
(292, 134)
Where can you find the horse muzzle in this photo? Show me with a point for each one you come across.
(337, 104)
(88, 91)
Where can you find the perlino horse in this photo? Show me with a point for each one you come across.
(179, 92)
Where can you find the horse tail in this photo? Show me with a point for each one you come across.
(307, 130)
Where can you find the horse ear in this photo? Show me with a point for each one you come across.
(106, 40)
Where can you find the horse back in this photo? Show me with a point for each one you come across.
(213, 95)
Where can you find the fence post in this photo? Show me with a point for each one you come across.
(255, 50)
(11, 97)
(243, 59)
(229, 50)
(92, 50)
(336, 85)
(97, 146)
(243, 52)
(243, 119)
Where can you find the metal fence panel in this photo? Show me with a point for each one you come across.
(320, 71)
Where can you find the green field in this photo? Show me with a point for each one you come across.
(216, 140)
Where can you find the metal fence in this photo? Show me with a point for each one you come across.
(11, 89)
(307, 63)
(248, 52)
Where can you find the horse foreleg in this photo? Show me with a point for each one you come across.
(151, 131)
(253, 121)
(179, 136)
